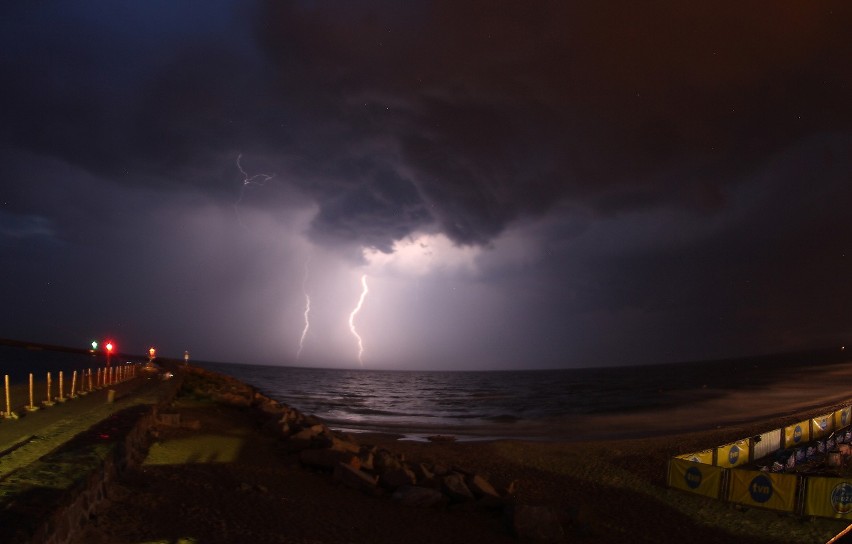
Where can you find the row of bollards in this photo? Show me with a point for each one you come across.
(89, 382)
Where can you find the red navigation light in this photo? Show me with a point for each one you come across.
(109, 347)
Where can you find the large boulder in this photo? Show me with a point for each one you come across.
(440, 470)
(328, 459)
(310, 420)
(342, 444)
(356, 479)
(289, 416)
(308, 437)
(234, 399)
(271, 407)
(453, 485)
(366, 456)
(510, 489)
(396, 477)
(301, 440)
(418, 496)
(383, 460)
(481, 487)
(324, 439)
(423, 473)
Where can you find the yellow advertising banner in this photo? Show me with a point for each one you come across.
(797, 435)
(843, 418)
(705, 457)
(763, 489)
(829, 498)
(822, 426)
(695, 477)
(732, 455)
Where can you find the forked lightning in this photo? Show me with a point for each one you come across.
(357, 309)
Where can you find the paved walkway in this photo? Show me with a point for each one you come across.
(34, 434)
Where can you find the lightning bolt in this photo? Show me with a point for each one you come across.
(257, 179)
(307, 325)
(307, 311)
(357, 309)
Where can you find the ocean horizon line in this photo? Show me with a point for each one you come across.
(824, 355)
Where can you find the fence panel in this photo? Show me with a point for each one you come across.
(828, 497)
(843, 417)
(822, 426)
(763, 489)
(696, 478)
(798, 434)
(766, 444)
(705, 457)
(733, 454)
(707, 472)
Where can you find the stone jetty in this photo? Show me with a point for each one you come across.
(372, 470)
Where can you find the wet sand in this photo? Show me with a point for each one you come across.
(232, 481)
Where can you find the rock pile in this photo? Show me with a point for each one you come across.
(372, 470)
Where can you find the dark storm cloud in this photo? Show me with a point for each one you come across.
(642, 181)
(500, 110)
(460, 116)
(768, 273)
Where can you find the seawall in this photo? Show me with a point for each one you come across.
(48, 501)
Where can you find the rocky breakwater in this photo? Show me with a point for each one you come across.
(377, 471)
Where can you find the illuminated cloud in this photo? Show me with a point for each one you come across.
(423, 254)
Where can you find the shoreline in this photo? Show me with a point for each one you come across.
(601, 490)
(784, 401)
(696, 398)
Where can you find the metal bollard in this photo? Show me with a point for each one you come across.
(32, 407)
(48, 401)
(61, 397)
(9, 414)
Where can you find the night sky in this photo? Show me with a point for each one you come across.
(523, 184)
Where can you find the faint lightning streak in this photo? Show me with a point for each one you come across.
(257, 179)
(307, 325)
(307, 311)
(357, 309)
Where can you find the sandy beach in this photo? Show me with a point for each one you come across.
(231, 480)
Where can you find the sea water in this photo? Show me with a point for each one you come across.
(510, 404)
(521, 404)
(19, 362)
